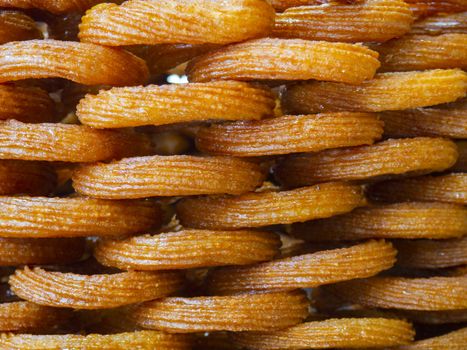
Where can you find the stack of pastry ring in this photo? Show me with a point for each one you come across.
(236, 174)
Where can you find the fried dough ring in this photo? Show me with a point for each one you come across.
(246, 312)
(41, 217)
(441, 24)
(21, 177)
(70, 60)
(183, 175)
(434, 293)
(370, 21)
(422, 8)
(46, 251)
(104, 291)
(27, 104)
(67, 143)
(168, 104)
(450, 188)
(341, 309)
(289, 134)
(388, 158)
(451, 341)
(269, 208)
(23, 316)
(53, 6)
(411, 220)
(305, 271)
(445, 122)
(420, 52)
(188, 249)
(331, 333)
(286, 59)
(281, 5)
(430, 254)
(176, 22)
(146, 340)
(16, 26)
(385, 92)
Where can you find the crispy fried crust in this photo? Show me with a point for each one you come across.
(293, 95)
(450, 188)
(441, 24)
(188, 249)
(68, 143)
(145, 340)
(444, 122)
(176, 22)
(420, 52)
(286, 59)
(23, 316)
(422, 8)
(21, 177)
(70, 60)
(167, 176)
(289, 134)
(388, 158)
(331, 305)
(451, 341)
(36, 217)
(54, 6)
(331, 333)
(44, 251)
(430, 254)
(231, 313)
(104, 291)
(27, 104)
(285, 4)
(305, 271)
(269, 208)
(401, 220)
(370, 21)
(168, 104)
(385, 92)
(435, 293)
(281, 5)
(16, 26)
